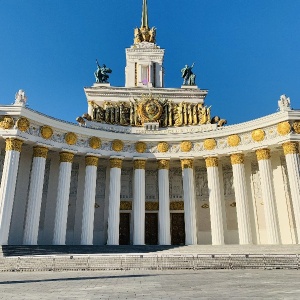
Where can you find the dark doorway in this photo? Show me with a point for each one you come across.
(177, 229)
(151, 229)
(124, 229)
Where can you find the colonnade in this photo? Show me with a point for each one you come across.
(9, 177)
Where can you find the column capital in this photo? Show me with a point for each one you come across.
(212, 161)
(187, 163)
(66, 157)
(262, 154)
(13, 144)
(237, 158)
(40, 151)
(290, 148)
(163, 164)
(139, 163)
(91, 160)
(115, 162)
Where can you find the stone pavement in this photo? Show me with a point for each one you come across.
(177, 284)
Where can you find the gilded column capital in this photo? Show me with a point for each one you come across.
(13, 144)
(91, 161)
(115, 163)
(187, 163)
(211, 162)
(290, 148)
(139, 164)
(39, 151)
(263, 154)
(66, 157)
(237, 159)
(163, 164)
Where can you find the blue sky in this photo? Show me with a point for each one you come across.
(247, 52)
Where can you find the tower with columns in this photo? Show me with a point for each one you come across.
(147, 165)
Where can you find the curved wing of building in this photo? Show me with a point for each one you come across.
(148, 165)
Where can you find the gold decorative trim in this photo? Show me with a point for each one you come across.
(6, 122)
(186, 146)
(39, 151)
(13, 145)
(205, 206)
(66, 157)
(258, 135)
(117, 145)
(91, 161)
(151, 206)
(237, 159)
(177, 205)
(284, 128)
(163, 147)
(211, 162)
(262, 154)
(296, 126)
(290, 148)
(95, 142)
(187, 163)
(46, 132)
(115, 163)
(140, 147)
(71, 138)
(23, 124)
(210, 144)
(163, 164)
(233, 140)
(125, 205)
(139, 164)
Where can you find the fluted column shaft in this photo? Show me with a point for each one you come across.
(62, 200)
(8, 185)
(264, 164)
(87, 229)
(292, 162)
(31, 230)
(139, 202)
(164, 203)
(189, 202)
(241, 199)
(215, 205)
(114, 201)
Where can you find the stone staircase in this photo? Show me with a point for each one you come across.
(83, 258)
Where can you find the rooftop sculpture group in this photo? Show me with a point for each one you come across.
(189, 78)
(101, 73)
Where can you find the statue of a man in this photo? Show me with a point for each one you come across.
(188, 75)
(101, 73)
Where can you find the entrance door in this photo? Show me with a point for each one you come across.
(151, 229)
(177, 229)
(124, 229)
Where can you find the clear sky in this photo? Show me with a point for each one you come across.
(247, 52)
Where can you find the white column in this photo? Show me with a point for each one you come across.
(31, 230)
(164, 202)
(139, 202)
(62, 199)
(87, 230)
(189, 202)
(215, 205)
(114, 201)
(8, 185)
(241, 199)
(265, 170)
(292, 162)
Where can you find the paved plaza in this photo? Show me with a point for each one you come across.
(179, 284)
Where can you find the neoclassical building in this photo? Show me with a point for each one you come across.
(148, 165)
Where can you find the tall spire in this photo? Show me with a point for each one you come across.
(145, 15)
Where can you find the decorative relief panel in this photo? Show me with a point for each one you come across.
(176, 189)
(201, 184)
(228, 182)
(151, 184)
(126, 184)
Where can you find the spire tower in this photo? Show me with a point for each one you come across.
(145, 15)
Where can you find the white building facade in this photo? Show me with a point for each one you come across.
(148, 165)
